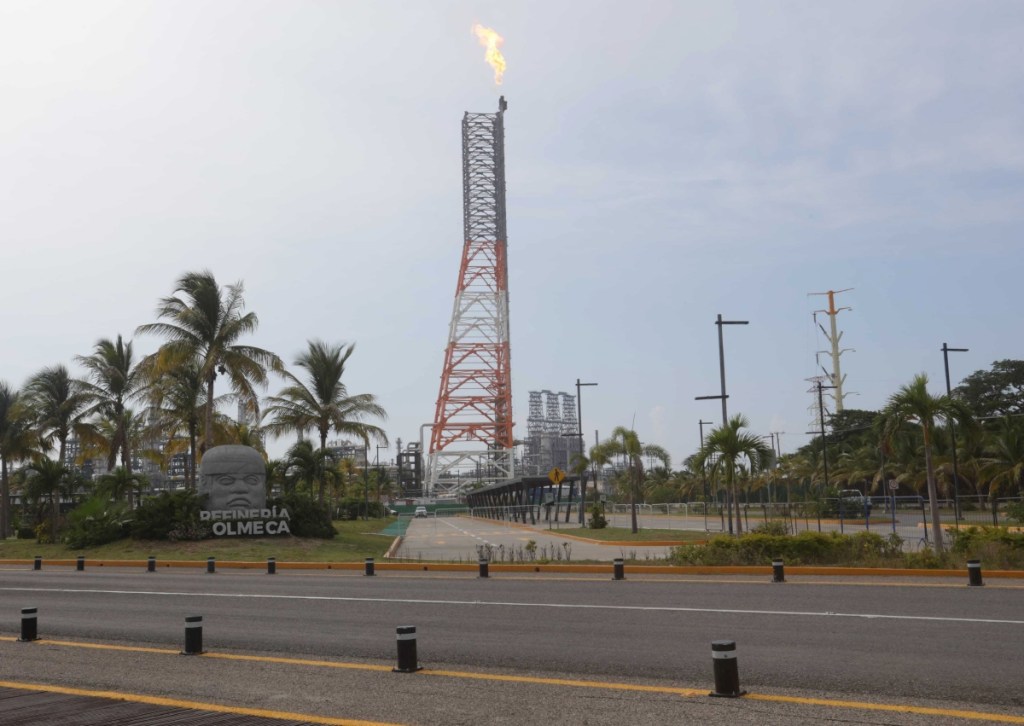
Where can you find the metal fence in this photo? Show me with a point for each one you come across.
(908, 517)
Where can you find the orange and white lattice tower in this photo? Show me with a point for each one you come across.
(471, 439)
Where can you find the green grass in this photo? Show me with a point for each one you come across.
(622, 534)
(356, 541)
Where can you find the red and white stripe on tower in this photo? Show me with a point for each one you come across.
(472, 431)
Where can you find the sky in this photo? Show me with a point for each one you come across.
(666, 162)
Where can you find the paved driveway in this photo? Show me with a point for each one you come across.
(465, 539)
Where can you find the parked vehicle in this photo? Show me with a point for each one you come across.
(420, 512)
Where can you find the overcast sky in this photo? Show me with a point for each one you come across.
(666, 161)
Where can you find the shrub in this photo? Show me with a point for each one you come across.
(355, 508)
(772, 526)
(1015, 511)
(26, 533)
(996, 547)
(96, 521)
(308, 518)
(597, 519)
(170, 515)
(806, 548)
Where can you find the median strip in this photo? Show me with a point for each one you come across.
(475, 676)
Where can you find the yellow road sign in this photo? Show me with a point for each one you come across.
(556, 475)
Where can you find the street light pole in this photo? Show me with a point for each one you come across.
(824, 447)
(704, 472)
(579, 425)
(946, 350)
(376, 462)
(724, 397)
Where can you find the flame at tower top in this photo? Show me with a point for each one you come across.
(490, 39)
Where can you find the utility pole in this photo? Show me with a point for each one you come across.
(834, 336)
(824, 446)
(946, 350)
(725, 410)
(704, 472)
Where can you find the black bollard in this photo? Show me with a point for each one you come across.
(151, 564)
(211, 565)
(727, 672)
(484, 568)
(368, 567)
(974, 573)
(271, 565)
(778, 571)
(193, 635)
(407, 661)
(618, 569)
(80, 563)
(29, 625)
(37, 563)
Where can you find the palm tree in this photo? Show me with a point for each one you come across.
(204, 325)
(323, 403)
(59, 406)
(625, 442)
(1005, 462)
(912, 404)
(728, 448)
(178, 395)
(120, 484)
(113, 379)
(44, 481)
(16, 442)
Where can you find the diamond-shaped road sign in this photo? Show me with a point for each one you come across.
(556, 475)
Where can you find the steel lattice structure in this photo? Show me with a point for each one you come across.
(473, 419)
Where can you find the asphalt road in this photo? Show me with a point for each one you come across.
(940, 641)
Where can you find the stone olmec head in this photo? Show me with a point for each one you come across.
(233, 477)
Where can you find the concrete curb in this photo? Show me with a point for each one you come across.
(603, 569)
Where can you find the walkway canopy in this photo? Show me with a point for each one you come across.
(525, 499)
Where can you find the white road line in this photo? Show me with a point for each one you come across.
(460, 529)
(478, 603)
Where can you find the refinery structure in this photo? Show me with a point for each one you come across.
(552, 436)
(471, 436)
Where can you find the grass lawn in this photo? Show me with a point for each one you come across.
(622, 534)
(356, 541)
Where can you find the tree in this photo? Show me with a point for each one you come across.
(323, 404)
(625, 442)
(16, 442)
(113, 380)
(59, 406)
(727, 448)
(178, 396)
(912, 404)
(203, 326)
(996, 392)
(45, 478)
(1005, 461)
(121, 484)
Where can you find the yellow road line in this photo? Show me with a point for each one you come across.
(195, 705)
(535, 680)
(891, 708)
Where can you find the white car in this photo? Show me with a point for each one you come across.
(420, 512)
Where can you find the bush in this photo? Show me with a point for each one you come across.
(996, 547)
(597, 519)
(776, 527)
(308, 518)
(96, 521)
(1015, 511)
(172, 516)
(356, 508)
(26, 533)
(806, 548)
